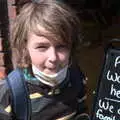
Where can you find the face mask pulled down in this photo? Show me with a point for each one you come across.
(51, 80)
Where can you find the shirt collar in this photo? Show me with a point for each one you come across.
(33, 80)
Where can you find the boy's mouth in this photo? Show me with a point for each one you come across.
(50, 70)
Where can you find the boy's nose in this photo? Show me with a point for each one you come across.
(52, 55)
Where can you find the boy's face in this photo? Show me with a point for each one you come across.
(47, 56)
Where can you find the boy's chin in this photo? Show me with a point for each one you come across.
(50, 72)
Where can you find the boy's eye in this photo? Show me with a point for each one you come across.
(41, 48)
(61, 47)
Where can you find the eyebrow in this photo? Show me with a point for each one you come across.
(41, 43)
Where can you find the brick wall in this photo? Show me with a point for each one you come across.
(7, 15)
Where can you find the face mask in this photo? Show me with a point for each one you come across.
(51, 80)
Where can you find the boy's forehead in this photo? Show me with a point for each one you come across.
(53, 37)
(46, 37)
(42, 31)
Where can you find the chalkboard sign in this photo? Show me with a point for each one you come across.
(107, 103)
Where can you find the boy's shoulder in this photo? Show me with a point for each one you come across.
(4, 101)
(4, 91)
(3, 84)
(4, 88)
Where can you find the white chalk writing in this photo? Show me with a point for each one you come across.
(106, 105)
(114, 91)
(113, 77)
(101, 116)
(117, 61)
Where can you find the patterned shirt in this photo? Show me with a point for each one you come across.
(62, 102)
